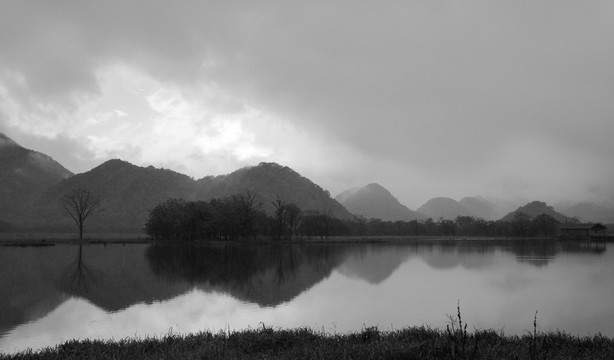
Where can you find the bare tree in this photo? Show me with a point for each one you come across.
(79, 204)
(280, 211)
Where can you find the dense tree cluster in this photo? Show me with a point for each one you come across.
(241, 217)
(521, 226)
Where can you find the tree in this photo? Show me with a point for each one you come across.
(293, 219)
(520, 224)
(79, 204)
(545, 225)
(245, 209)
(167, 220)
(448, 227)
(280, 217)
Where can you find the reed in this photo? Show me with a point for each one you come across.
(265, 342)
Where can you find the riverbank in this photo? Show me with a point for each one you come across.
(50, 239)
(370, 343)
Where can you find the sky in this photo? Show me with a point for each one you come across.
(502, 99)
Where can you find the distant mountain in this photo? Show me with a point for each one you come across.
(537, 208)
(443, 207)
(485, 208)
(127, 193)
(24, 175)
(269, 181)
(374, 201)
(590, 212)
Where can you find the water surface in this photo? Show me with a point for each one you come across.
(56, 293)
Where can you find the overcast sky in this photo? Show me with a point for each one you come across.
(505, 99)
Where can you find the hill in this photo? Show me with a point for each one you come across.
(590, 212)
(485, 208)
(24, 175)
(443, 207)
(268, 181)
(127, 193)
(374, 201)
(537, 208)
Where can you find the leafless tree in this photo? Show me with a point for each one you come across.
(79, 204)
(280, 211)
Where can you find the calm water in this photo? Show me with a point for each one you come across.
(52, 294)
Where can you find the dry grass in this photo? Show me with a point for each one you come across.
(370, 343)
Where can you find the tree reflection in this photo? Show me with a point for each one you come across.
(78, 278)
(266, 275)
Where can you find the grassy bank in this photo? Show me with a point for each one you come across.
(370, 343)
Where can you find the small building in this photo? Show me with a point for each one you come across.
(582, 231)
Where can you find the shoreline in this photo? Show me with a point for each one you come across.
(51, 239)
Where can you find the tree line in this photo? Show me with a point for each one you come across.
(241, 217)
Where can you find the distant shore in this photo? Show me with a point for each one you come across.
(304, 343)
(50, 239)
(42, 239)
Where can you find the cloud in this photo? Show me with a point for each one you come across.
(432, 92)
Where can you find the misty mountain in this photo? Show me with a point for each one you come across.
(374, 201)
(537, 208)
(443, 207)
(24, 175)
(269, 181)
(485, 208)
(590, 212)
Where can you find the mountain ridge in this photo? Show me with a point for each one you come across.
(375, 201)
(536, 208)
(128, 193)
(444, 207)
(24, 175)
(31, 184)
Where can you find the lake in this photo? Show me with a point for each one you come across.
(52, 294)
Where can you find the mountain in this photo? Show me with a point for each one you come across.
(537, 208)
(127, 193)
(374, 201)
(24, 175)
(485, 208)
(443, 207)
(269, 181)
(590, 212)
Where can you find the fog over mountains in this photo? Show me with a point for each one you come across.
(537, 208)
(374, 201)
(32, 184)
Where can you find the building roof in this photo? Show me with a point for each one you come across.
(594, 227)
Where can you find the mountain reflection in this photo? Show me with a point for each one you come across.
(35, 281)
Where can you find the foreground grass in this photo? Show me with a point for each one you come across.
(370, 343)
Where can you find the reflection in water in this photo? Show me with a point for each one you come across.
(148, 288)
(265, 275)
(78, 278)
